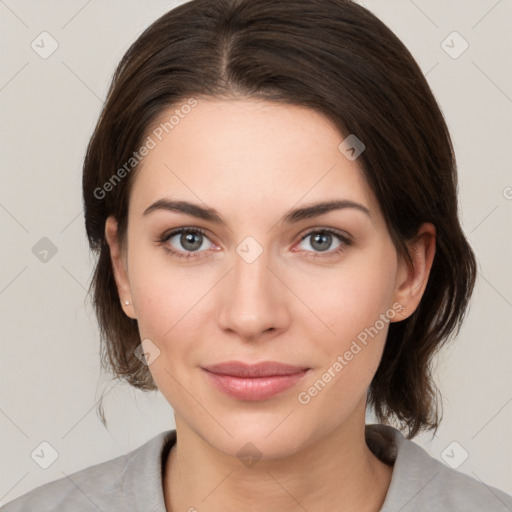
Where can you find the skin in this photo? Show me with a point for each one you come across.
(252, 161)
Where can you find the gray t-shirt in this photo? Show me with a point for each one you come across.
(133, 482)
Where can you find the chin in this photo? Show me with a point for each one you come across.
(258, 436)
(254, 445)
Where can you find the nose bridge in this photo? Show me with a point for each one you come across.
(252, 302)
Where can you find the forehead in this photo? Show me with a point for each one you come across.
(245, 155)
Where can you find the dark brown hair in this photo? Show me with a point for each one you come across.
(337, 58)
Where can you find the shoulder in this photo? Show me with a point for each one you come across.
(422, 483)
(122, 483)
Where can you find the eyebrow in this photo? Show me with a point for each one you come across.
(292, 216)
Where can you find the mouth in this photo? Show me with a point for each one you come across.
(254, 382)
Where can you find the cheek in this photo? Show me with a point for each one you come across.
(356, 305)
(170, 304)
(350, 298)
(160, 291)
(360, 312)
(171, 314)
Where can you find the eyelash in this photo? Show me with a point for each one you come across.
(188, 255)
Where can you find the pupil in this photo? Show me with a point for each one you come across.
(188, 238)
(321, 237)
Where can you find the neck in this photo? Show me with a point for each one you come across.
(337, 472)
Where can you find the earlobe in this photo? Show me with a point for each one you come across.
(119, 266)
(412, 278)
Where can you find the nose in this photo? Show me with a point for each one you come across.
(254, 300)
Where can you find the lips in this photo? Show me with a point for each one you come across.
(254, 382)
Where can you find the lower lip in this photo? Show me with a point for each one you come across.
(256, 388)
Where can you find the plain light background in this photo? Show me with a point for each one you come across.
(49, 364)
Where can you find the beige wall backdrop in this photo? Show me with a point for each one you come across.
(57, 62)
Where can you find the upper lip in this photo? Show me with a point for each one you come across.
(262, 369)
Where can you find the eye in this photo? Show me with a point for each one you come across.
(187, 243)
(187, 240)
(321, 241)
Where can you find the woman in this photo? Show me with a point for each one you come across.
(272, 191)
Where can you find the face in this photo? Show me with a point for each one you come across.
(253, 282)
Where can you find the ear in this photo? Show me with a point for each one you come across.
(411, 280)
(119, 266)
